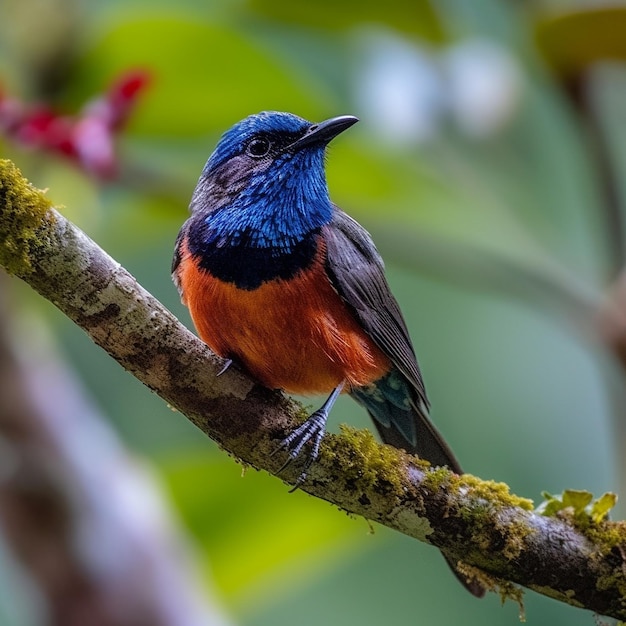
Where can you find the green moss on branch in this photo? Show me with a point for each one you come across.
(25, 213)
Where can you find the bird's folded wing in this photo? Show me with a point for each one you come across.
(357, 273)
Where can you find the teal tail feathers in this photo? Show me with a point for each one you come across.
(401, 418)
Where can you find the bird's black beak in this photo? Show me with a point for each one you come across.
(323, 132)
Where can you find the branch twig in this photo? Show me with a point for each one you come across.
(469, 519)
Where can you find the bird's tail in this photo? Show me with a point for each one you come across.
(402, 421)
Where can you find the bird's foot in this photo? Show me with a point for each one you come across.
(312, 430)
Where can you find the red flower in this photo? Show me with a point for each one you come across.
(88, 138)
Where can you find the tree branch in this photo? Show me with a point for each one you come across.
(578, 560)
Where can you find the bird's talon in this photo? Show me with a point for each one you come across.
(278, 448)
(285, 444)
(298, 483)
(227, 364)
(312, 429)
(285, 465)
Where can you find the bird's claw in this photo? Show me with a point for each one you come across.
(225, 366)
(312, 430)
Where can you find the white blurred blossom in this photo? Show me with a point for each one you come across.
(484, 86)
(407, 91)
(399, 89)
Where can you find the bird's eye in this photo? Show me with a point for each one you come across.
(258, 147)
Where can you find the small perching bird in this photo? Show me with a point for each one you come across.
(281, 281)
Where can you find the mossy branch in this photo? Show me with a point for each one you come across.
(576, 559)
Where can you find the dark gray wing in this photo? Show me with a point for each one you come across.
(357, 272)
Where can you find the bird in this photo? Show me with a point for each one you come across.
(282, 282)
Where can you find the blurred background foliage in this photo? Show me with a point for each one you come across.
(489, 166)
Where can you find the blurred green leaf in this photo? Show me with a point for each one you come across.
(206, 76)
(571, 41)
(253, 533)
(418, 18)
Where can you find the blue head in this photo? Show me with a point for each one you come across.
(264, 186)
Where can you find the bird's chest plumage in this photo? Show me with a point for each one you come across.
(293, 333)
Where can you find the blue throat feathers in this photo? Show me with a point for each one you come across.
(264, 218)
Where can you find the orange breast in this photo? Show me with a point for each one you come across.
(295, 335)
